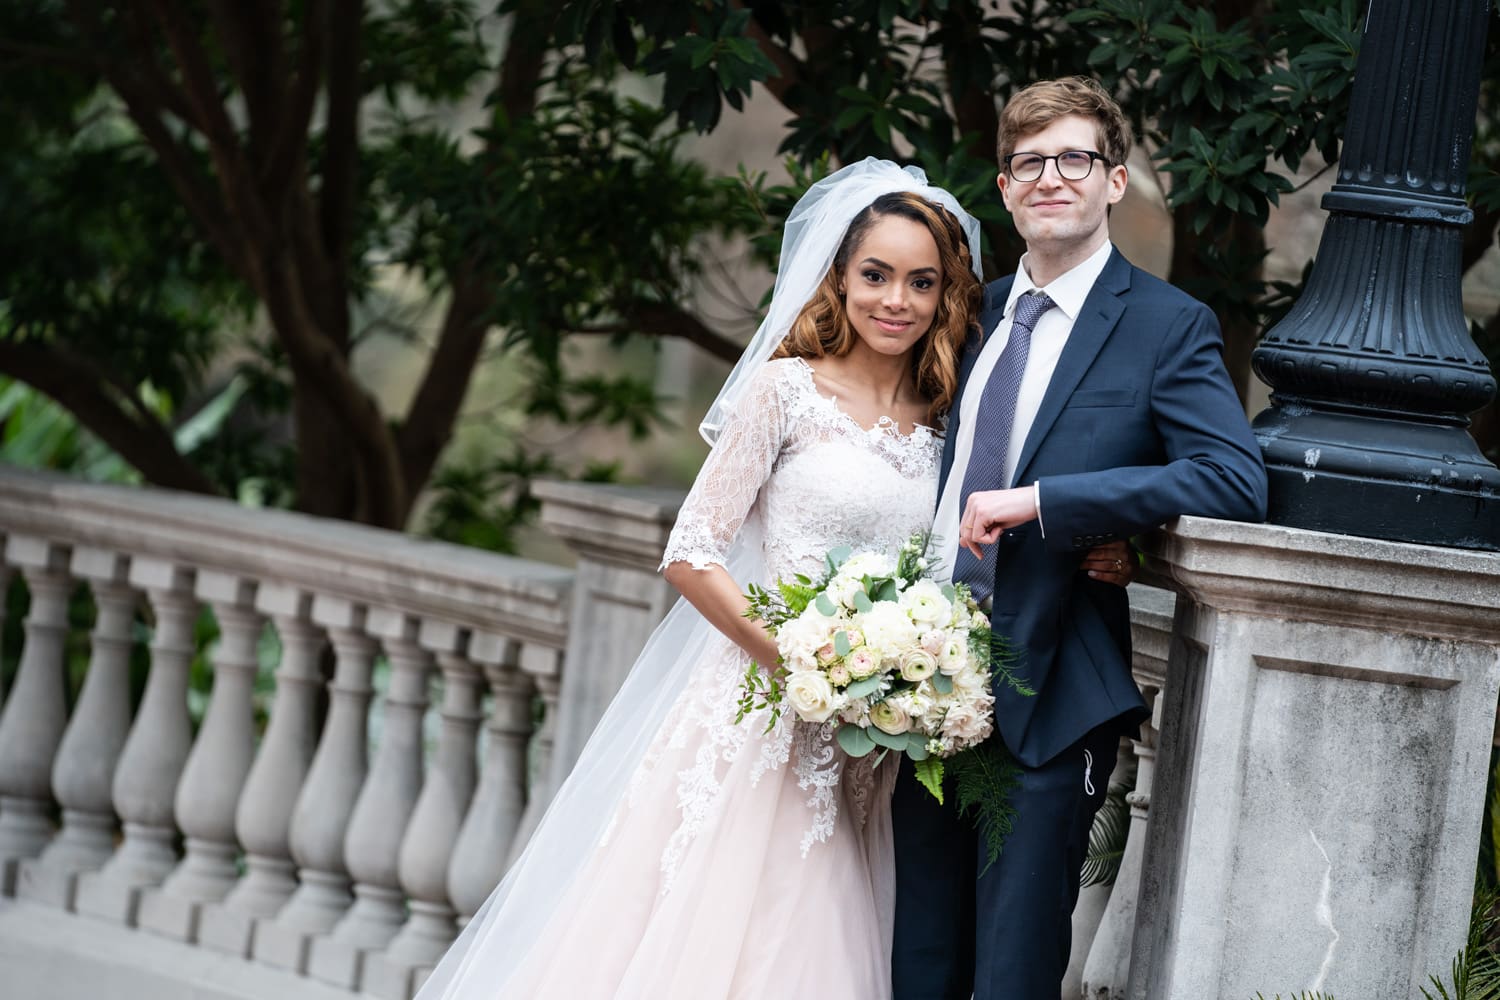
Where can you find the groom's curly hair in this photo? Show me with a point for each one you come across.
(823, 328)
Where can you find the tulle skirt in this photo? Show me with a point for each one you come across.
(740, 865)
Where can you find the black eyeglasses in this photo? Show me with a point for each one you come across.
(1072, 164)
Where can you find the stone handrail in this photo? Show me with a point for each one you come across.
(298, 852)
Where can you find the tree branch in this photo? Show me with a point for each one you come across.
(789, 70)
(79, 388)
(662, 319)
(341, 135)
(435, 408)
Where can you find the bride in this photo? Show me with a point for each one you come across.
(688, 856)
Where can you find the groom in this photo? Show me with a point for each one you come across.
(1093, 404)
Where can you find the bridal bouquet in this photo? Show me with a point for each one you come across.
(897, 660)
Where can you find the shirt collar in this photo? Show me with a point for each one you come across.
(1067, 290)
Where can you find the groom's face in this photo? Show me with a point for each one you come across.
(1054, 214)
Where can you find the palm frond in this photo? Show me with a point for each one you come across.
(1107, 837)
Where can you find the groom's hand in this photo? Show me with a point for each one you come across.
(988, 514)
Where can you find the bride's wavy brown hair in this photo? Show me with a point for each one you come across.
(823, 328)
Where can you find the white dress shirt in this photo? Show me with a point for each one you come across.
(1067, 290)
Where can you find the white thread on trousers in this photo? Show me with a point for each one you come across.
(1088, 767)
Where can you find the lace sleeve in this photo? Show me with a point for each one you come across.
(731, 477)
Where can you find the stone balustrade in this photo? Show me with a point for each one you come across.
(335, 844)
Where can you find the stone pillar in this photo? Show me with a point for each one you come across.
(372, 846)
(619, 533)
(1326, 724)
(31, 725)
(484, 842)
(263, 817)
(216, 768)
(320, 820)
(427, 846)
(1107, 969)
(92, 743)
(151, 762)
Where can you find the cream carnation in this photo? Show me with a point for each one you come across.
(966, 724)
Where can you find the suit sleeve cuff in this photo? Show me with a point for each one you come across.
(1036, 498)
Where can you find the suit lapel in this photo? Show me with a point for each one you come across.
(1096, 321)
(989, 318)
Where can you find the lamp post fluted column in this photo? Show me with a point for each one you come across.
(1373, 371)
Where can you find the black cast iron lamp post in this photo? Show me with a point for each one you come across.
(1373, 371)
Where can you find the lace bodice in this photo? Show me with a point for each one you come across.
(794, 470)
(813, 478)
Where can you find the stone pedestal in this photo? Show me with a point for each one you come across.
(1326, 728)
(619, 533)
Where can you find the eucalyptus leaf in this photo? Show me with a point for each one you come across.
(895, 741)
(861, 688)
(826, 606)
(841, 642)
(941, 683)
(862, 602)
(916, 746)
(854, 740)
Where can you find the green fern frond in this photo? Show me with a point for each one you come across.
(983, 778)
(1107, 837)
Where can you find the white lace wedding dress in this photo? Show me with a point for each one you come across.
(739, 863)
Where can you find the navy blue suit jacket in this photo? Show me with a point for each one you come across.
(1140, 423)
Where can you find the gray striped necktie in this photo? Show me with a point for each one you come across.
(989, 460)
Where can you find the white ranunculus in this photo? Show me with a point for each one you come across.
(889, 718)
(954, 656)
(917, 665)
(810, 695)
(925, 603)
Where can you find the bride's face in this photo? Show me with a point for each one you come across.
(892, 285)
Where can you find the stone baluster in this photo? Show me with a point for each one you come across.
(151, 762)
(1107, 968)
(489, 829)
(427, 845)
(263, 817)
(372, 847)
(216, 767)
(91, 744)
(544, 666)
(4, 594)
(321, 817)
(31, 726)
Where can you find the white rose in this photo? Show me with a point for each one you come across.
(925, 602)
(917, 665)
(810, 695)
(889, 718)
(933, 640)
